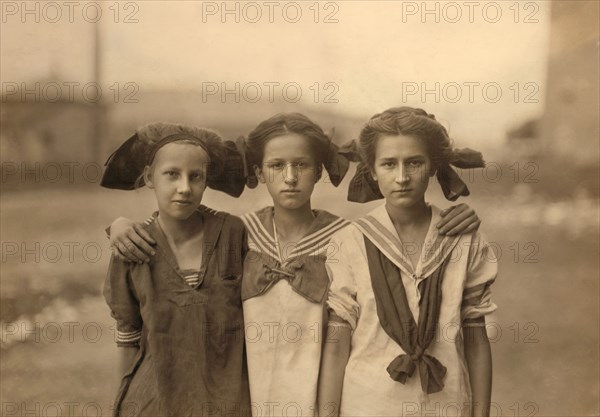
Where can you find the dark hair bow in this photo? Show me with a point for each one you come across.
(363, 188)
(335, 162)
(125, 166)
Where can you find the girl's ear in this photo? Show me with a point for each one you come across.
(373, 175)
(318, 174)
(148, 177)
(259, 174)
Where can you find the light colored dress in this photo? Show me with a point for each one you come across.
(368, 390)
(284, 292)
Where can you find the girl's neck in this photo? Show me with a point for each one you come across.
(179, 231)
(412, 216)
(292, 222)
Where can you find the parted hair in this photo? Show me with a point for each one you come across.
(406, 121)
(283, 124)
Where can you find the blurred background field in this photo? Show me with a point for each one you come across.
(538, 197)
(545, 333)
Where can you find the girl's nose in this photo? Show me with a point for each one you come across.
(290, 174)
(402, 174)
(183, 186)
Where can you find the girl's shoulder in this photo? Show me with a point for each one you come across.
(264, 214)
(325, 217)
(348, 234)
(227, 222)
(209, 215)
(269, 210)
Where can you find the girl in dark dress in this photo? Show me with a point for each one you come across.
(179, 317)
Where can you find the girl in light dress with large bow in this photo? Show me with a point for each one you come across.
(285, 283)
(409, 304)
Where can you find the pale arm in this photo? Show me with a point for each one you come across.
(479, 362)
(336, 351)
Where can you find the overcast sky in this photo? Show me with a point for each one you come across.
(373, 56)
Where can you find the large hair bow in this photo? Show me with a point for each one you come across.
(125, 166)
(363, 188)
(335, 162)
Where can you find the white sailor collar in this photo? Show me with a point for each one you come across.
(377, 226)
(262, 236)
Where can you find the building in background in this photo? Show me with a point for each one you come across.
(570, 124)
(35, 129)
(38, 132)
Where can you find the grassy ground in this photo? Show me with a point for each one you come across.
(58, 351)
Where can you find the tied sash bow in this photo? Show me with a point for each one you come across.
(398, 322)
(432, 372)
(307, 276)
(277, 272)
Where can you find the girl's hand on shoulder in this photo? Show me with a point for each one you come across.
(130, 241)
(458, 220)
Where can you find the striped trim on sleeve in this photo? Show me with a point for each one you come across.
(131, 338)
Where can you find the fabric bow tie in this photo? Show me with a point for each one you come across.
(432, 372)
(307, 276)
(275, 273)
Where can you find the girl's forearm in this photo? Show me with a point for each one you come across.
(479, 362)
(336, 350)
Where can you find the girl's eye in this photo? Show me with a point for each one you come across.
(171, 173)
(389, 164)
(416, 163)
(196, 177)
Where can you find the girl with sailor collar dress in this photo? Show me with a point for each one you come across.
(412, 338)
(285, 282)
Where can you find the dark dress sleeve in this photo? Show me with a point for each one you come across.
(120, 296)
(236, 242)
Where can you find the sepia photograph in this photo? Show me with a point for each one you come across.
(369, 208)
